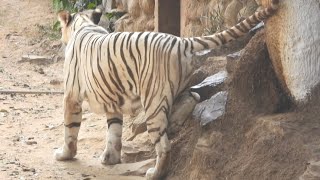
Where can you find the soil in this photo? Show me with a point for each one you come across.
(263, 135)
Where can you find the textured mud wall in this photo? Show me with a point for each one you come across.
(139, 17)
(293, 39)
(208, 16)
(197, 17)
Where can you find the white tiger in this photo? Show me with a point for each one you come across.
(119, 72)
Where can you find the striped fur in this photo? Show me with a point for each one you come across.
(120, 72)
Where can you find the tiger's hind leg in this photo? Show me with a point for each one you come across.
(156, 126)
(112, 152)
(72, 122)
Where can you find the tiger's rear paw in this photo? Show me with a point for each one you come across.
(110, 157)
(63, 154)
(152, 174)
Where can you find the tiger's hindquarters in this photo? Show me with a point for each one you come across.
(156, 127)
(161, 168)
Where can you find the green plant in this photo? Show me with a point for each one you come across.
(72, 6)
(115, 14)
(56, 26)
(75, 5)
(47, 31)
(59, 5)
(92, 4)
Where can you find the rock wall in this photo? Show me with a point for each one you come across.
(139, 16)
(293, 39)
(249, 141)
(208, 16)
(197, 17)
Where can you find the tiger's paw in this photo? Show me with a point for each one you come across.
(110, 157)
(151, 174)
(63, 154)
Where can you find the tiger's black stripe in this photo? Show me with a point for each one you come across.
(73, 124)
(204, 44)
(124, 60)
(157, 80)
(151, 79)
(134, 59)
(212, 40)
(114, 121)
(144, 65)
(173, 43)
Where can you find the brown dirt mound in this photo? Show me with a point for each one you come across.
(262, 135)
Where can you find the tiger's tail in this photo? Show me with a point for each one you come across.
(218, 39)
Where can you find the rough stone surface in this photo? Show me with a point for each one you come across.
(234, 56)
(211, 109)
(312, 172)
(139, 17)
(138, 168)
(35, 59)
(208, 141)
(137, 150)
(198, 16)
(181, 110)
(293, 43)
(108, 5)
(312, 169)
(210, 83)
(202, 17)
(231, 61)
(138, 125)
(231, 13)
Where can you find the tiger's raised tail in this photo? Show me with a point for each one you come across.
(218, 39)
